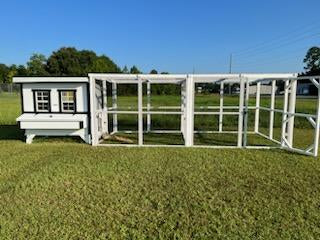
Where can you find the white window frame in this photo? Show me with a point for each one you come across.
(42, 100)
(62, 101)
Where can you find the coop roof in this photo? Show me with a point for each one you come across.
(49, 79)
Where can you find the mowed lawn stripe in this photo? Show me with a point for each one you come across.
(74, 190)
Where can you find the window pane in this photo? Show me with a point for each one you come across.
(68, 101)
(42, 100)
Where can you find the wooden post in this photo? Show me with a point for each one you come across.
(114, 107)
(182, 107)
(272, 105)
(221, 106)
(317, 127)
(105, 122)
(246, 109)
(285, 115)
(240, 118)
(93, 108)
(189, 121)
(291, 110)
(148, 106)
(140, 113)
(257, 113)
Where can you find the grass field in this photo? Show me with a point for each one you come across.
(62, 189)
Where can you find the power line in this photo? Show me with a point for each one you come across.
(263, 50)
(230, 63)
(278, 39)
(270, 61)
(279, 61)
(270, 57)
(274, 59)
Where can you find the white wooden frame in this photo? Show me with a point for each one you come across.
(187, 110)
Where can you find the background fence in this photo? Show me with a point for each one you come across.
(9, 88)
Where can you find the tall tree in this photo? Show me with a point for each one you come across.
(65, 62)
(22, 71)
(125, 70)
(134, 70)
(68, 61)
(153, 71)
(37, 65)
(4, 70)
(103, 64)
(13, 70)
(312, 61)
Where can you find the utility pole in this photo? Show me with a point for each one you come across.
(230, 71)
(230, 63)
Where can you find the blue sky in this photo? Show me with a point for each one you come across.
(175, 36)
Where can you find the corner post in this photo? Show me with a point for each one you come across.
(317, 127)
(93, 108)
(257, 112)
(189, 111)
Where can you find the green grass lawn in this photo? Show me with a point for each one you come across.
(61, 189)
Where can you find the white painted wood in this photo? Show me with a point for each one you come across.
(246, 108)
(240, 118)
(29, 138)
(51, 117)
(182, 107)
(93, 120)
(49, 125)
(317, 128)
(105, 120)
(189, 121)
(257, 112)
(49, 79)
(81, 95)
(115, 106)
(221, 106)
(272, 105)
(147, 112)
(216, 113)
(291, 109)
(148, 106)
(284, 141)
(82, 133)
(52, 125)
(140, 114)
(314, 81)
(312, 121)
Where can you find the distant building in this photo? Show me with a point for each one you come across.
(305, 88)
(264, 89)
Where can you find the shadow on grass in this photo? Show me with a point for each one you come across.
(11, 132)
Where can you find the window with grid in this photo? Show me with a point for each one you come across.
(42, 101)
(68, 103)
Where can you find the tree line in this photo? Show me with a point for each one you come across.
(68, 61)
